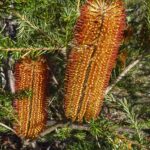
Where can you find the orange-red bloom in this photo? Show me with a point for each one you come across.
(98, 34)
(31, 75)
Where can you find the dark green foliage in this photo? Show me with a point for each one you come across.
(46, 23)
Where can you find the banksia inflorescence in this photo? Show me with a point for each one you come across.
(98, 34)
(31, 75)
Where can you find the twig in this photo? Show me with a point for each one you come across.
(53, 128)
(5, 71)
(54, 78)
(55, 125)
(23, 18)
(98, 143)
(11, 81)
(127, 69)
(5, 126)
(29, 49)
(78, 6)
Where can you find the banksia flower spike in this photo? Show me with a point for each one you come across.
(31, 75)
(98, 34)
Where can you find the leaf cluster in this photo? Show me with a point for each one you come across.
(47, 23)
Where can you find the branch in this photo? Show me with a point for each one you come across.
(127, 69)
(28, 49)
(5, 126)
(5, 71)
(11, 79)
(54, 126)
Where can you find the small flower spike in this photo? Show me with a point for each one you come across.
(31, 75)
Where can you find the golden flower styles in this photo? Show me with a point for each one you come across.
(31, 75)
(97, 36)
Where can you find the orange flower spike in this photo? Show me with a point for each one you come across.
(31, 75)
(75, 78)
(105, 56)
(98, 34)
(87, 28)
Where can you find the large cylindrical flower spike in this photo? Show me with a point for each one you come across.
(31, 76)
(98, 34)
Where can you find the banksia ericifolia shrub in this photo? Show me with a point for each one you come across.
(31, 76)
(97, 37)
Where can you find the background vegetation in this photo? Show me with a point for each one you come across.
(46, 27)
